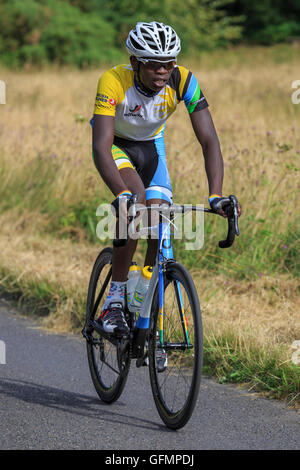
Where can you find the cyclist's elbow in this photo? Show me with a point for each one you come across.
(210, 143)
(98, 157)
(99, 151)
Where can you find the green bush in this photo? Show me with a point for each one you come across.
(272, 34)
(201, 24)
(52, 31)
(90, 32)
(266, 21)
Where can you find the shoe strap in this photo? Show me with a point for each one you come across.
(115, 305)
(114, 310)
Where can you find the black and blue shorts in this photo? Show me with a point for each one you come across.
(148, 159)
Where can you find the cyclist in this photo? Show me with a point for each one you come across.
(132, 105)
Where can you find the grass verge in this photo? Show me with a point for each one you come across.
(231, 360)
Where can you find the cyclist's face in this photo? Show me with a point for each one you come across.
(154, 75)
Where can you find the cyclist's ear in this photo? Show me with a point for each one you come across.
(134, 63)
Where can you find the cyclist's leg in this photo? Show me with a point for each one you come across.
(152, 241)
(122, 256)
(149, 160)
(112, 317)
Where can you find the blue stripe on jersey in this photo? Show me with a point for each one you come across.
(191, 90)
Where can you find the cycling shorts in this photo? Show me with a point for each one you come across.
(148, 158)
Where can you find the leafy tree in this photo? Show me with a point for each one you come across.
(268, 21)
(86, 32)
(52, 31)
(200, 23)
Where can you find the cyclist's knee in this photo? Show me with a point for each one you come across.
(142, 197)
(134, 183)
(157, 201)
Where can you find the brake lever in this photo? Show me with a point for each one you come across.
(233, 228)
(235, 213)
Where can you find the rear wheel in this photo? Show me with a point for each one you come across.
(104, 356)
(175, 352)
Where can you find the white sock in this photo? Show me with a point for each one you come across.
(116, 294)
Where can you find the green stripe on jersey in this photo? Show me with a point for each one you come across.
(194, 100)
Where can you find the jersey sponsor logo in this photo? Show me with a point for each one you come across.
(101, 105)
(135, 109)
(197, 101)
(101, 98)
(134, 112)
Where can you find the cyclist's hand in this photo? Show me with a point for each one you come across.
(218, 204)
(120, 204)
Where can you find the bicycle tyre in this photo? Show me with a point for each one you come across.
(102, 354)
(178, 364)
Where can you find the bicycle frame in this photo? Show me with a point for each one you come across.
(164, 255)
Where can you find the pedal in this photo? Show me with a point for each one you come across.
(86, 333)
(161, 360)
(143, 361)
(123, 354)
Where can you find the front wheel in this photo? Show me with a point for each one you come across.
(176, 347)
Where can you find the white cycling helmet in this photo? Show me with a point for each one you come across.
(151, 40)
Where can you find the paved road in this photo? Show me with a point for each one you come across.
(47, 401)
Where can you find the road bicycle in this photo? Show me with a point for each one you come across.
(167, 335)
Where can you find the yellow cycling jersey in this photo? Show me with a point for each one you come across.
(139, 116)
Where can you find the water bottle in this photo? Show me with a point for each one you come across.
(141, 289)
(133, 276)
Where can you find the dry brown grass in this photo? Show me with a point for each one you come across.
(266, 309)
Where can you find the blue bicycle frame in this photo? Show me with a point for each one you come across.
(164, 255)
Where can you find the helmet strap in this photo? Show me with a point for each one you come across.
(144, 89)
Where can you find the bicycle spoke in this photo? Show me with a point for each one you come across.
(176, 381)
(176, 385)
(108, 380)
(101, 293)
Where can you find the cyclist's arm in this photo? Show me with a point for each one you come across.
(206, 134)
(103, 137)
